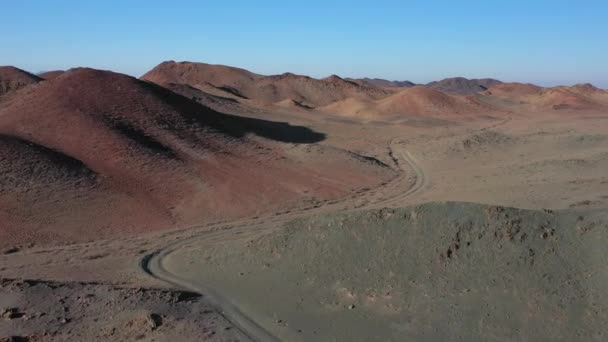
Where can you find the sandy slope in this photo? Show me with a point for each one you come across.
(528, 97)
(196, 74)
(414, 101)
(130, 156)
(499, 163)
(552, 160)
(263, 90)
(378, 82)
(451, 99)
(13, 79)
(463, 86)
(49, 75)
(532, 274)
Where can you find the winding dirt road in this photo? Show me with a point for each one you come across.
(394, 192)
(411, 180)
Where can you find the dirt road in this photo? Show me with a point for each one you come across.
(152, 264)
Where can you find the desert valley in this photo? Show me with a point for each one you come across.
(210, 202)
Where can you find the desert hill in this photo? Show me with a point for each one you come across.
(293, 104)
(49, 75)
(213, 98)
(513, 89)
(566, 98)
(463, 86)
(304, 89)
(532, 97)
(413, 101)
(93, 153)
(379, 82)
(373, 98)
(196, 74)
(427, 273)
(12, 79)
(262, 89)
(587, 88)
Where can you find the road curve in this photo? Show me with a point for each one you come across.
(421, 180)
(152, 264)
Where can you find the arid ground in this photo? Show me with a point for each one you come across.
(206, 202)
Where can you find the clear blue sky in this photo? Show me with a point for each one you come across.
(540, 41)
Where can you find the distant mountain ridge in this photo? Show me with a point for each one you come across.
(576, 97)
(13, 79)
(379, 82)
(263, 89)
(463, 86)
(373, 97)
(412, 101)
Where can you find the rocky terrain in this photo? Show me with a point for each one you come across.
(206, 202)
(415, 101)
(130, 156)
(49, 75)
(379, 82)
(262, 89)
(443, 271)
(463, 86)
(32, 310)
(13, 79)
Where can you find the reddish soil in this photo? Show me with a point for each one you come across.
(93, 153)
(413, 101)
(463, 86)
(200, 74)
(514, 89)
(379, 82)
(89, 153)
(313, 92)
(49, 75)
(12, 79)
(215, 100)
(375, 99)
(263, 89)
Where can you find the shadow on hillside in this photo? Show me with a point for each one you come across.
(235, 126)
(24, 161)
(279, 131)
